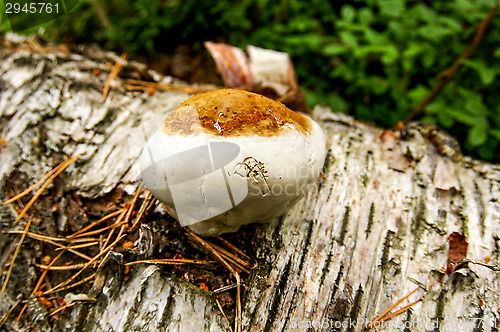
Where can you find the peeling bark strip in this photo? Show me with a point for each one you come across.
(360, 240)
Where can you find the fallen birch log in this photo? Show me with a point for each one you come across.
(386, 218)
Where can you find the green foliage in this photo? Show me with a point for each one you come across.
(375, 59)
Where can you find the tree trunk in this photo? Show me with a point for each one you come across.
(376, 225)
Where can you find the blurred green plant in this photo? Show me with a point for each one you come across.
(374, 59)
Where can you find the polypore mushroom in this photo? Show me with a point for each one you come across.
(228, 158)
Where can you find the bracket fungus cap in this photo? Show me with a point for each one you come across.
(227, 158)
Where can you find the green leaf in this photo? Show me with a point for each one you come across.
(390, 55)
(495, 133)
(412, 50)
(445, 119)
(348, 13)
(496, 53)
(348, 38)
(434, 32)
(391, 7)
(417, 94)
(374, 37)
(478, 135)
(423, 13)
(334, 49)
(365, 15)
(451, 23)
(486, 74)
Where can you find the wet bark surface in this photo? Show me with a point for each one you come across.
(376, 225)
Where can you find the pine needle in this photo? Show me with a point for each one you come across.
(109, 216)
(380, 317)
(59, 170)
(89, 263)
(113, 74)
(224, 315)
(14, 256)
(208, 246)
(39, 283)
(168, 261)
(48, 239)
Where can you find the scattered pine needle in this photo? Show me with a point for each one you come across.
(89, 263)
(208, 246)
(224, 315)
(169, 261)
(60, 267)
(62, 308)
(39, 283)
(109, 216)
(11, 249)
(78, 283)
(59, 170)
(233, 247)
(237, 322)
(241, 264)
(382, 316)
(48, 239)
(79, 246)
(141, 212)
(108, 238)
(133, 202)
(36, 184)
(14, 256)
(6, 316)
(145, 86)
(397, 312)
(118, 223)
(113, 74)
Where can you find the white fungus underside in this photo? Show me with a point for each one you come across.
(292, 162)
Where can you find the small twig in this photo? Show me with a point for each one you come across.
(224, 315)
(446, 75)
(113, 74)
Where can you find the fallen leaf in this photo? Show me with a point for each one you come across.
(457, 250)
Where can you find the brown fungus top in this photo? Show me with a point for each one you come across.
(231, 112)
